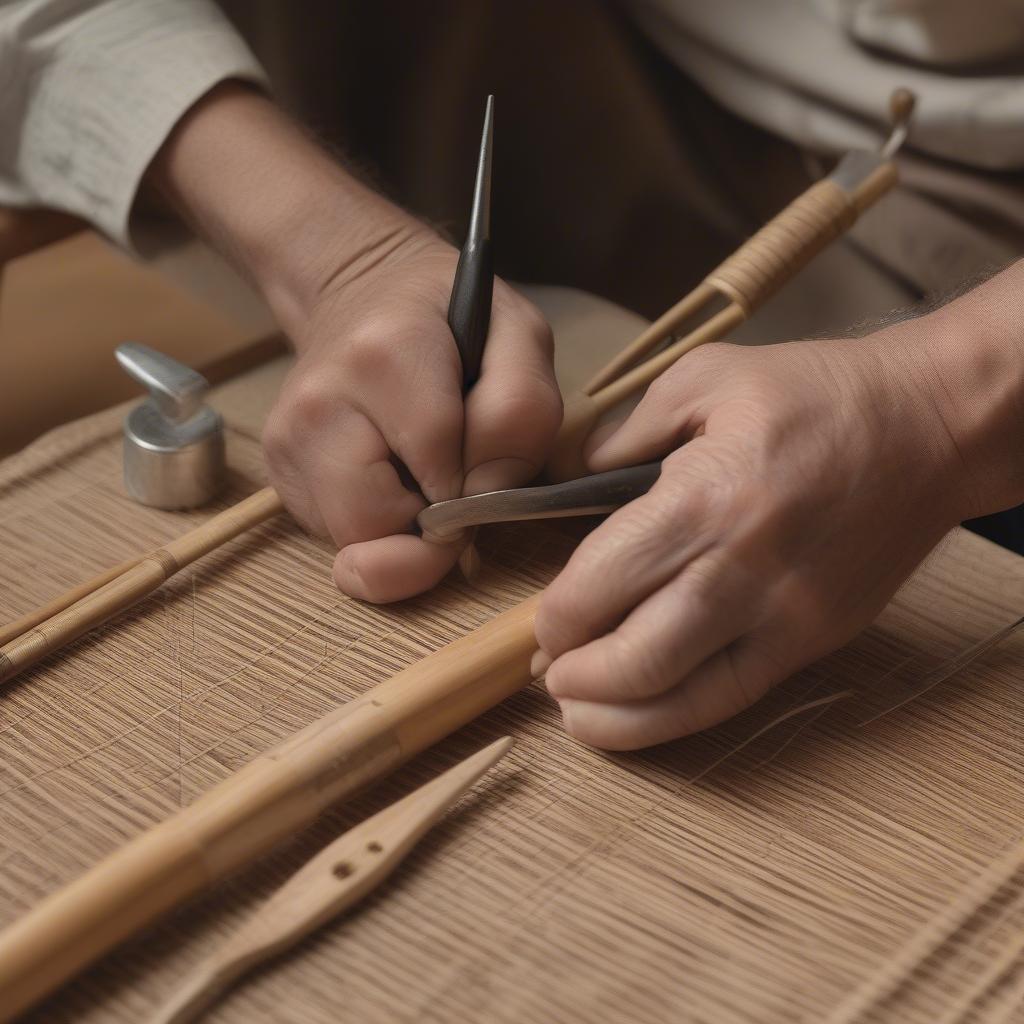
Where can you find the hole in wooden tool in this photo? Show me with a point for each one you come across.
(375, 847)
(343, 869)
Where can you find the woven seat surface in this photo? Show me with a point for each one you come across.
(834, 863)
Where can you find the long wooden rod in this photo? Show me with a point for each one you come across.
(142, 577)
(270, 799)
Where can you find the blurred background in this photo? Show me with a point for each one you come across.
(614, 173)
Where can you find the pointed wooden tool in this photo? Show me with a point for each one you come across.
(335, 879)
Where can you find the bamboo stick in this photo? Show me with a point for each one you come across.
(271, 798)
(130, 586)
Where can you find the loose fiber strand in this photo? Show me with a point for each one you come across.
(798, 710)
(951, 667)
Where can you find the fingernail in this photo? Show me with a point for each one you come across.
(497, 475)
(566, 706)
(539, 664)
(435, 491)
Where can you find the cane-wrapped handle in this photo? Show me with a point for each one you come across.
(789, 241)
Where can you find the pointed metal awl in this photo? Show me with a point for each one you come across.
(469, 310)
(336, 878)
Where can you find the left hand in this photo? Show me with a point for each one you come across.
(812, 478)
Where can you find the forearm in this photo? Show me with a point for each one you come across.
(971, 354)
(264, 194)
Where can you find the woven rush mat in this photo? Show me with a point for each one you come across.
(828, 868)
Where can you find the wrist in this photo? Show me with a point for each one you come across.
(274, 203)
(970, 358)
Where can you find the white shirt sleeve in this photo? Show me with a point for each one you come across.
(90, 89)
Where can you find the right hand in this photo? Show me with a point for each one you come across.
(801, 484)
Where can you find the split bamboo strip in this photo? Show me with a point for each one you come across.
(642, 376)
(129, 587)
(271, 798)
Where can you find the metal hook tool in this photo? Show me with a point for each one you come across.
(444, 521)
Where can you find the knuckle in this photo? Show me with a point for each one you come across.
(628, 670)
(432, 442)
(701, 371)
(303, 408)
(529, 320)
(698, 486)
(528, 414)
(444, 425)
(372, 352)
(707, 359)
(638, 670)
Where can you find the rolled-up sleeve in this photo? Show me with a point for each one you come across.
(90, 90)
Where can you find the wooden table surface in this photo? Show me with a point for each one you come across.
(572, 885)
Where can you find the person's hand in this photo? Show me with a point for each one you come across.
(362, 289)
(812, 478)
(378, 378)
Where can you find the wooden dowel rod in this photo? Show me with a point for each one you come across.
(657, 332)
(270, 799)
(69, 597)
(130, 586)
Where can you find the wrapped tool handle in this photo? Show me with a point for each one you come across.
(746, 279)
(789, 241)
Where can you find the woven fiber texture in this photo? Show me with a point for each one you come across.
(790, 882)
